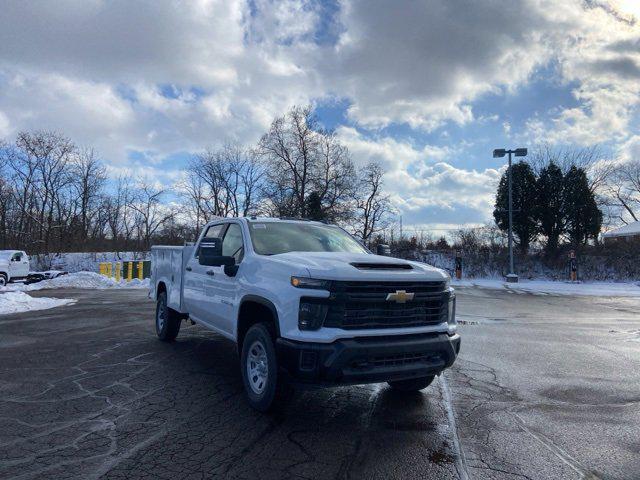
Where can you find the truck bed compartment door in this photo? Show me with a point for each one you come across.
(176, 280)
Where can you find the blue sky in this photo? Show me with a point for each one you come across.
(428, 89)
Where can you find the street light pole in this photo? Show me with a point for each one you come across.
(499, 153)
(512, 274)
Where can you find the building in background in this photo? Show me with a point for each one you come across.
(627, 233)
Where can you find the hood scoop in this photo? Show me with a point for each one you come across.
(381, 266)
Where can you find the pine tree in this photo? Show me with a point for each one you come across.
(524, 196)
(583, 218)
(550, 210)
(314, 207)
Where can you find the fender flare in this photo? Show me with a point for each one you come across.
(262, 301)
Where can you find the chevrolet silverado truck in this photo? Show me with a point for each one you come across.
(307, 305)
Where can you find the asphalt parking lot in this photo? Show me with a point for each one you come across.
(545, 387)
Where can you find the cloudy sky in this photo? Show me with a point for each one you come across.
(428, 88)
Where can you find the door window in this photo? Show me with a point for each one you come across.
(16, 257)
(214, 231)
(232, 245)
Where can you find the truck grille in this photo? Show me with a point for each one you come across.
(362, 305)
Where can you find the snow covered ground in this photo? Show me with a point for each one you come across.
(78, 262)
(550, 287)
(16, 302)
(13, 298)
(77, 280)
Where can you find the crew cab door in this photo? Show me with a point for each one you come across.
(224, 288)
(197, 296)
(19, 265)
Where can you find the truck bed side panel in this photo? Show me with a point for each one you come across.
(168, 267)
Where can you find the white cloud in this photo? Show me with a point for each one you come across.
(166, 77)
(152, 76)
(419, 63)
(424, 187)
(5, 126)
(598, 50)
(423, 63)
(630, 150)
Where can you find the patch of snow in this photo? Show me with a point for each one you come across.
(78, 262)
(550, 287)
(90, 280)
(16, 302)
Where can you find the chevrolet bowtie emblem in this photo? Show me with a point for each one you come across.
(400, 296)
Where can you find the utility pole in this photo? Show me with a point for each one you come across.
(499, 153)
(400, 227)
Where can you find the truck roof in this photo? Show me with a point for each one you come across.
(282, 219)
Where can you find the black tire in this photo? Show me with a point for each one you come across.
(412, 385)
(273, 389)
(3, 280)
(167, 320)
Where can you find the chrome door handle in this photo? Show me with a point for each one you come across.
(211, 272)
(188, 269)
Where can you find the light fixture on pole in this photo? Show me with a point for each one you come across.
(499, 153)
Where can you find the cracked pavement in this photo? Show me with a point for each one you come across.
(545, 387)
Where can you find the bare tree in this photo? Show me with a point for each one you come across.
(372, 206)
(303, 159)
(223, 182)
(118, 210)
(151, 213)
(621, 192)
(88, 179)
(192, 189)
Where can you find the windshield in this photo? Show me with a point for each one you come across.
(271, 238)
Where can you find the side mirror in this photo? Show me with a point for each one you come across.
(382, 249)
(217, 261)
(209, 251)
(210, 255)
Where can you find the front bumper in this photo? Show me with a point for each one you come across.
(367, 359)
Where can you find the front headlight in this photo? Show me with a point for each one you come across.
(451, 317)
(306, 282)
(311, 315)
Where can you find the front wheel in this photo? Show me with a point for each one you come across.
(167, 320)
(259, 368)
(3, 279)
(412, 385)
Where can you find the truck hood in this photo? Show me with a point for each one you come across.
(339, 266)
(4, 264)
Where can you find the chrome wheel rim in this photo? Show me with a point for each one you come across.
(257, 367)
(162, 311)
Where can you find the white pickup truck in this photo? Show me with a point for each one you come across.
(14, 265)
(306, 303)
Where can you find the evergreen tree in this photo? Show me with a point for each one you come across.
(550, 210)
(524, 197)
(583, 217)
(313, 207)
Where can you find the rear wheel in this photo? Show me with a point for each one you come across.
(167, 320)
(412, 385)
(259, 368)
